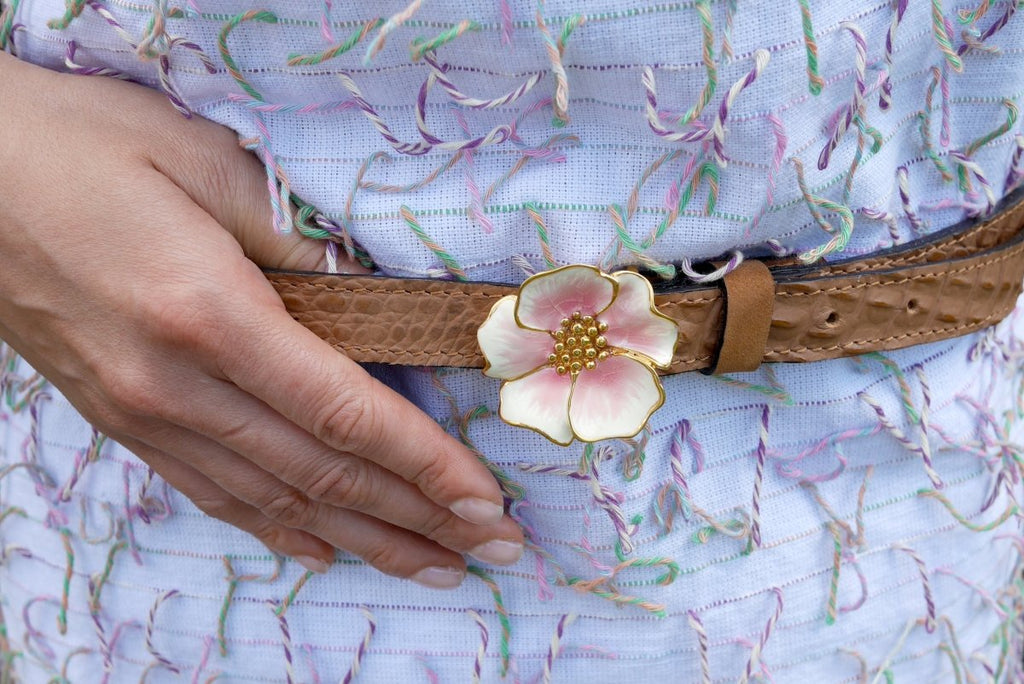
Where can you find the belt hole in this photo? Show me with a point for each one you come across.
(832, 318)
(911, 305)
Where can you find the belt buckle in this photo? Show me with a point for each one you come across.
(577, 351)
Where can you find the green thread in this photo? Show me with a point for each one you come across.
(634, 522)
(901, 379)
(341, 48)
(100, 579)
(72, 9)
(656, 609)
(499, 603)
(814, 81)
(771, 391)
(833, 586)
(572, 23)
(301, 582)
(943, 39)
(710, 66)
(7, 22)
(420, 46)
(840, 236)
(929, 148)
(447, 259)
(1007, 125)
(1011, 511)
(222, 45)
(542, 233)
(69, 556)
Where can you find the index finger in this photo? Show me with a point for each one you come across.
(332, 397)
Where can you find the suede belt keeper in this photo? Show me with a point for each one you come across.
(951, 283)
(749, 301)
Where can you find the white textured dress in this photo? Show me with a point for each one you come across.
(843, 521)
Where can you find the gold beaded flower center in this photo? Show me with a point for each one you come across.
(579, 344)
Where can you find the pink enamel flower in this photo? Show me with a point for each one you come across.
(577, 349)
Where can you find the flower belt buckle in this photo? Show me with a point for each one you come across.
(577, 351)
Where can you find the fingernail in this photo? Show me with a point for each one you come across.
(439, 578)
(478, 511)
(498, 552)
(313, 564)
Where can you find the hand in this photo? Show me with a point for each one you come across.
(128, 236)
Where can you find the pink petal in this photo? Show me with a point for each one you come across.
(548, 297)
(540, 401)
(510, 350)
(633, 323)
(615, 399)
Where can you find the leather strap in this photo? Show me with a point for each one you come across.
(957, 281)
(749, 300)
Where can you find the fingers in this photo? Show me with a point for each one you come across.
(208, 162)
(355, 485)
(335, 400)
(395, 551)
(259, 348)
(243, 425)
(313, 553)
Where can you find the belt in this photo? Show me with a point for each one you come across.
(959, 280)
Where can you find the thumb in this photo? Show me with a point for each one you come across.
(230, 184)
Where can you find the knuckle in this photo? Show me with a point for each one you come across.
(291, 508)
(130, 394)
(216, 507)
(187, 315)
(107, 418)
(433, 477)
(347, 483)
(267, 532)
(351, 423)
(385, 555)
(441, 527)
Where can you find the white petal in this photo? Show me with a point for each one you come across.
(511, 351)
(633, 323)
(540, 401)
(548, 297)
(615, 399)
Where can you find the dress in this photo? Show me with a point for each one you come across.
(842, 521)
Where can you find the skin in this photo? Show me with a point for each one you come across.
(130, 238)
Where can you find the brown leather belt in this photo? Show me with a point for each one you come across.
(957, 281)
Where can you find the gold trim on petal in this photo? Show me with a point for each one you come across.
(647, 362)
(643, 423)
(487, 362)
(535, 429)
(544, 274)
(658, 314)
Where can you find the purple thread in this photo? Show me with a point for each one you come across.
(702, 645)
(998, 24)
(441, 75)
(885, 95)
(762, 447)
(855, 108)
(755, 652)
(151, 624)
(922, 569)
(779, 131)
(505, 11)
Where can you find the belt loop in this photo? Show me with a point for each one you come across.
(749, 292)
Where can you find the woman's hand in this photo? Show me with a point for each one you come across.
(128, 237)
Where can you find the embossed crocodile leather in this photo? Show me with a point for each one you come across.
(960, 280)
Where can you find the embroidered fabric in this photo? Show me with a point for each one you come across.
(851, 520)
